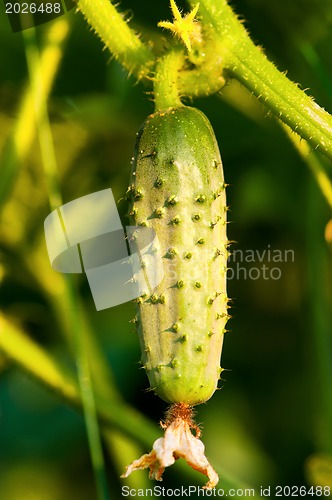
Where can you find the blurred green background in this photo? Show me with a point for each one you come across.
(271, 422)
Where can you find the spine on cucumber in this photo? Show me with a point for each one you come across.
(178, 190)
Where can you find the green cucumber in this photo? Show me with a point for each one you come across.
(178, 189)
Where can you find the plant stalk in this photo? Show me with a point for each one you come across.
(44, 367)
(80, 346)
(228, 53)
(319, 299)
(117, 36)
(315, 165)
(18, 145)
(248, 64)
(166, 92)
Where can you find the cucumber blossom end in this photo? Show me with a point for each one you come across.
(178, 441)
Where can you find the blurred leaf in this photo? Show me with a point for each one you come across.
(305, 19)
(319, 470)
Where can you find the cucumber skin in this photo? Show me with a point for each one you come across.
(178, 190)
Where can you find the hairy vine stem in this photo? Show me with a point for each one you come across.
(228, 52)
(166, 91)
(117, 36)
(248, 64)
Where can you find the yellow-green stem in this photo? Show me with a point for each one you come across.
(44, 367)
(314, 163)
(166, 91)
(228, 53)
(248, 64)
(80, 346)
(319, 302)
(31, 108)
(117, 36)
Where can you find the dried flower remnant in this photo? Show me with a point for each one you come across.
(178, 442)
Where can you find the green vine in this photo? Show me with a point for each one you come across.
(217, 49)
(122, 41)
(226, 52)
(18, 144)
(248, 64)
(79, 342)
(166, 91)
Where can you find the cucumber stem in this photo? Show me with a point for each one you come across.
(166, 91)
